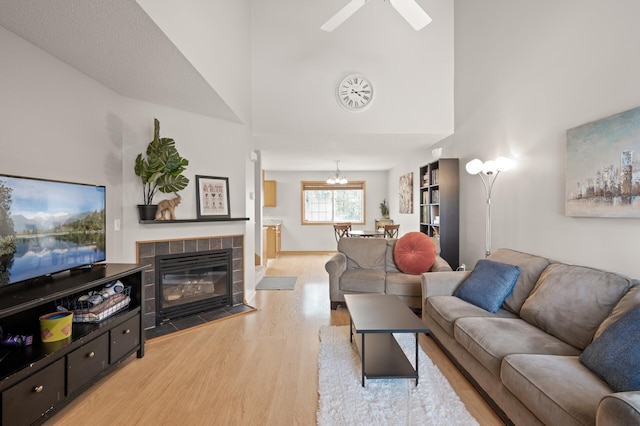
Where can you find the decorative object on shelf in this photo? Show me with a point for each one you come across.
(384, 210)
(355, 93)
(159, 170)
(408, 9)
(212, 196)
(56, 326)
(406, 193)
(492, 169)
(600, 167)
(165, 210)
(338, 177)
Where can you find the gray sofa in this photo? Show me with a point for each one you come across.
(524, 358)
(365, 265)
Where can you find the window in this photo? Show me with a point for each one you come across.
(323, 203)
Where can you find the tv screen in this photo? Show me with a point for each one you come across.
(48, 226)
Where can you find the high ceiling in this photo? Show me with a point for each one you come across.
(296, 120)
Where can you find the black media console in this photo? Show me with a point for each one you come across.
(36, 380)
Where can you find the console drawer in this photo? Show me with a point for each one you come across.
(125, 338)
(28, 400)
(86, 362)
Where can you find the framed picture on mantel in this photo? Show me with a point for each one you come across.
(212, 197)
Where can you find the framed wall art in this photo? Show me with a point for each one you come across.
(406, 193)
(603, 168)
(212, 197)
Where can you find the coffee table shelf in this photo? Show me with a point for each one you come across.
(374, 318)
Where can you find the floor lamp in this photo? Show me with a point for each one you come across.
(491, 169)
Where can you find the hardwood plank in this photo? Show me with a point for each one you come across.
(257, 368)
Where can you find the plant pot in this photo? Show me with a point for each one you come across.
(147, 211)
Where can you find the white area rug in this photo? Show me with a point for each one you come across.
(343, 400)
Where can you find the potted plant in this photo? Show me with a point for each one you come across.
(159, 170)
(384, 210)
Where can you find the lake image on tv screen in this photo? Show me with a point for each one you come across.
(48, 227)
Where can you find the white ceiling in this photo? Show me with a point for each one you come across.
(297, 122)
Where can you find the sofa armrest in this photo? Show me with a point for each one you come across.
(440, 265)
(335, 266)
(622, 408)
(442, 283)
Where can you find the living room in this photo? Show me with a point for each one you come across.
(524, 74)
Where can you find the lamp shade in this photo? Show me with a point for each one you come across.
(474, 167)
(489, 167)
(503, 164)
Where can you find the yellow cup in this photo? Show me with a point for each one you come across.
(56, 326)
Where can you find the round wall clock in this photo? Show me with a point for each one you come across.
(355, 93)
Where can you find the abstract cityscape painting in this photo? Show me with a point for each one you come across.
(603, 168)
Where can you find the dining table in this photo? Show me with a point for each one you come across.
(366, 233)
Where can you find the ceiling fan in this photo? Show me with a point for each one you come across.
(408, 9)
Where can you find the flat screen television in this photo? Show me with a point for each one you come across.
(49, 226)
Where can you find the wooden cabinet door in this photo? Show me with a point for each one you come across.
(270, 193)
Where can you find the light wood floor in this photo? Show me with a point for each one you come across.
(259, 368)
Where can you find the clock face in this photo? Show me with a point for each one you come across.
(355, 92)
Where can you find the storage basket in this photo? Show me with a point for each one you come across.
(85, 311)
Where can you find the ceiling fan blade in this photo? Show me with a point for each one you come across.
(412, 13)
(344, 14)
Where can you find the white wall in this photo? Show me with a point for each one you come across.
(525, 73)
(296, 68)
(58, 123)
(298, 237)
(215, 36)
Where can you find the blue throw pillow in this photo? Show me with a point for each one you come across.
(489, 284)
(615, 355)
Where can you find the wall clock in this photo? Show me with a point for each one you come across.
(355, 93)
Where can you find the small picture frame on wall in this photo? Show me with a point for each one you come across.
(212, 197)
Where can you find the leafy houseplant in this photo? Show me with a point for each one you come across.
(160, 169)
(384, 210)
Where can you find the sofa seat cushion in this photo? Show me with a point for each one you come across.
(362, 281)
(489, 340)
(445, 310)
(557, 389)
(364, 253)
(404, 284)
(531, 267)
(570, 302)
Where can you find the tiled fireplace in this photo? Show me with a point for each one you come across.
(150, 251)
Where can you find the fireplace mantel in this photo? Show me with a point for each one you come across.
(212, 219)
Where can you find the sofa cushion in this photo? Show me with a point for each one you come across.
(630, 300)
(489, 284)
(414, 253)
(557, 389)
(531, 267)
(615, 355)
(403, 284)
(363, 253)
(362, 281)
(446, 310)
(570, 302)
(489, 340)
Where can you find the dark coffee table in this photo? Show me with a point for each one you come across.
(375, 317)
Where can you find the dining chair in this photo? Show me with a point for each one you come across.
(391, 231)
(341, 230)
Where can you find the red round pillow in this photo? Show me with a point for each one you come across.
(414, 253)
